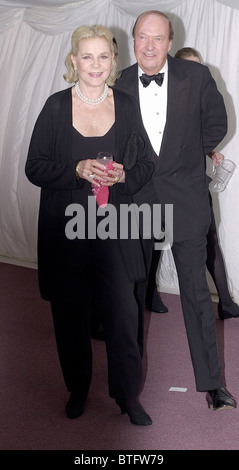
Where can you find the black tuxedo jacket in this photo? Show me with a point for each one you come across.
(196, 122)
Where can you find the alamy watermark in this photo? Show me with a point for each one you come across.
(131, 222)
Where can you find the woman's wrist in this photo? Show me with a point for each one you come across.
(121, 177)
(77, 170)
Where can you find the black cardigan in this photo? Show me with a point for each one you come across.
(50, 166)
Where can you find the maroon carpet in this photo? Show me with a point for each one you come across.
(33, 395)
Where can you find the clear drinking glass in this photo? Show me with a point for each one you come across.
(104, 158)
(222, 175)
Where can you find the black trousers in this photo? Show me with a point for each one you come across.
(190, 260)
(99, 272)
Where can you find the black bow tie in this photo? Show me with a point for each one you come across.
(147, 79)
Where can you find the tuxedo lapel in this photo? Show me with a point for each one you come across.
(178, 96)
(128, 81)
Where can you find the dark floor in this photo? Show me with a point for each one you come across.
(33, 395)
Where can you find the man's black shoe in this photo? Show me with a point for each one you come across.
(155, 304)
(220, 399)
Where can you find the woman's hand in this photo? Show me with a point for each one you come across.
(95, 173)
(117, 175)
(92, 171)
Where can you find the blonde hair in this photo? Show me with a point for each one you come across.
(85, 32)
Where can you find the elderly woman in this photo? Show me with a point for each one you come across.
(75, 261)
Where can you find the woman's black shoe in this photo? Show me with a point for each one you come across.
(135, 412)
(75, 406)
(228, 311)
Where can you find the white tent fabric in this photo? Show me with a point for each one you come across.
(35, 39)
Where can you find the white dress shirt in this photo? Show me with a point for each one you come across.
(153, 105)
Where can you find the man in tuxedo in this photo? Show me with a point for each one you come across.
(185, 118)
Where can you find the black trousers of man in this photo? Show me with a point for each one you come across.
(190, 261)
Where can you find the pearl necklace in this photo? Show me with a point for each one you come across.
(87, 100)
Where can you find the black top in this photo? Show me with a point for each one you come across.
(87, 147)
